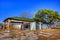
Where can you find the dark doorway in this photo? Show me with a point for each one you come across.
(26, 26)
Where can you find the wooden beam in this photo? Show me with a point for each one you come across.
(19, 21)
(16, 21)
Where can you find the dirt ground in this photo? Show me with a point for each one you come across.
(46, 34)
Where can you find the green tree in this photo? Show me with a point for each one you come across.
(47, 16)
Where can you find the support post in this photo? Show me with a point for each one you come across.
(4, 26)
(40, 25)
(9, 24)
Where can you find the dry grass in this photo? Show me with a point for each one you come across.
(46, 34)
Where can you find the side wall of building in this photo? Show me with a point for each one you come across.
(38, 26)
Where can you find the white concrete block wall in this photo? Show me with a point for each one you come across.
(33, 26)
(44, 26)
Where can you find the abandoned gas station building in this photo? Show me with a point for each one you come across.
(23, 24)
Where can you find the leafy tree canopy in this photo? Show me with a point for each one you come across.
(47, 16)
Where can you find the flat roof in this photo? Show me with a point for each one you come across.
(19, 19)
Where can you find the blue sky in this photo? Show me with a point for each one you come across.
(10, 8)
